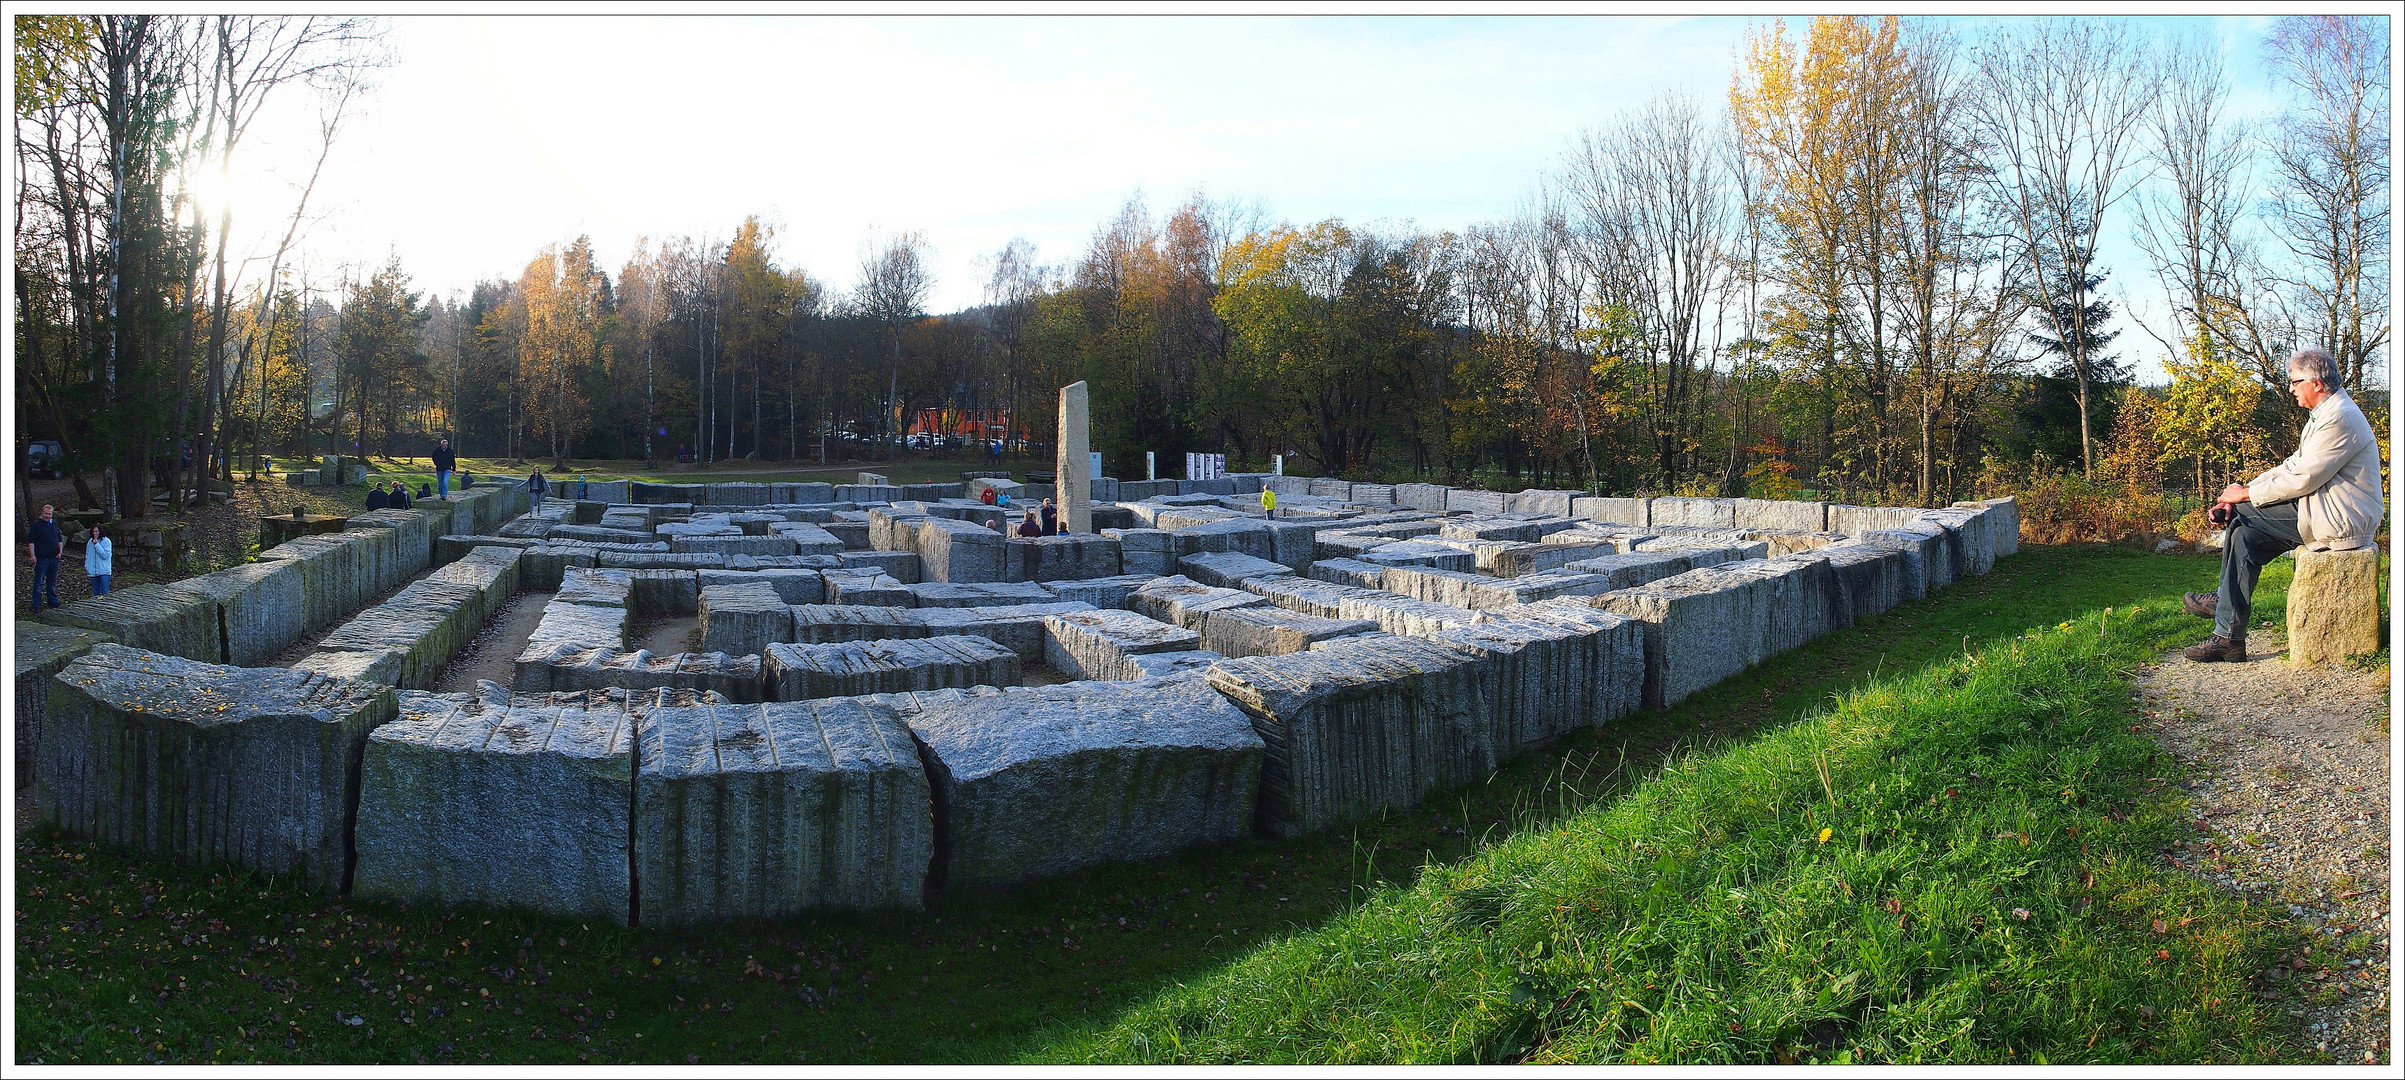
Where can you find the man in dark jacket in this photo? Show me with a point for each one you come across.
(1052, 519)
(43, 545)
(444, 463)
(399, 499)
(376, 499)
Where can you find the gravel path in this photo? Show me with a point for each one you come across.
(2290, 791)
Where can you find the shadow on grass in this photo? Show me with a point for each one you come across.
(127, 960)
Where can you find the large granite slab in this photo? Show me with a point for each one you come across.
(1041, 781)
(1099, 644)
(1183, 601)
(1351, 730)
(767, 811)
(1228, 569)
(201, 763)
(465, 799)
(1064, 557)
(42, 651)
(262, 607)
(1700, 627)
(799, 672)
(152, 617)
(744, 618)
(1266, 630)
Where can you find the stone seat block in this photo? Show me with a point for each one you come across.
(660, 560)
(2333, 605)
(769, 810)
(1041, 781)
(175, 622)
(1228, 569)
(1869, 578)
(1354, 729)
(1801, 603)
(468, 800)
(799, 672)
(201, 763)
(336, 578)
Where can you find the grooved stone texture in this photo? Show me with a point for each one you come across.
(1039, 781)
(766, 811)
(202, 764)
(842, 669)
(467, 800)
(42, 651)
(1354, 729)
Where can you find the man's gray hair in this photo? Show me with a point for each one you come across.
(2315, 364)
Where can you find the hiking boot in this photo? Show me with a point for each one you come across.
(2217, 649)
(2203, 605)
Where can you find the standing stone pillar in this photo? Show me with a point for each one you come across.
(1073, 482)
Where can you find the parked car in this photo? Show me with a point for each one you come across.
(42, 457)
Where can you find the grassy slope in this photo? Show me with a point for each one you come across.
(1196, 956)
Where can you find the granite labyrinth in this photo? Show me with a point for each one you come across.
(889, 696)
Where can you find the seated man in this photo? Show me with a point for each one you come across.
(2326, 496)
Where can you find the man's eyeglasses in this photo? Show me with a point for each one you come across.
(2299, 379)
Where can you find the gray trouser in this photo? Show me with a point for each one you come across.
(2257, 535)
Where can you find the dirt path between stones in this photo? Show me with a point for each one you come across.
(493, 652)
(2290, 792)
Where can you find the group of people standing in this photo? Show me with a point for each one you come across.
(1042, 520)
(45, 544)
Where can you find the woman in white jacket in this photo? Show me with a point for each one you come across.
(99, 561)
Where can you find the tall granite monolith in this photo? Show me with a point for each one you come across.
(1073, 483)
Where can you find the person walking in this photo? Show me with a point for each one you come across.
(1269, 502)
(583, 490)
(1052, 519)
(444, 462)
(2325, 497)
(43, 544)
(537, 486)
(100, 560)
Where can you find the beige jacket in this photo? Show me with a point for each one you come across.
(2334, 477)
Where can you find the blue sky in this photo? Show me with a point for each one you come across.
(487, 138)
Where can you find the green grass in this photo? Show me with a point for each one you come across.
(1629, 894)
